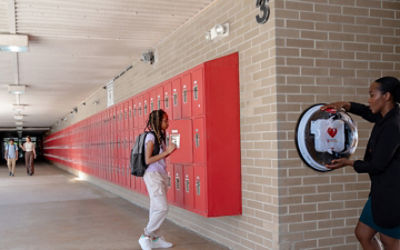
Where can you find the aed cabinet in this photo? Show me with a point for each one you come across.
(202, 103)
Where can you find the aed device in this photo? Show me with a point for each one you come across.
(325, 135)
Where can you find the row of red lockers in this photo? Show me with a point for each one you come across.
(201, 182)
(182, 97)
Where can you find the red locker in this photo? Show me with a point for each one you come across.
(188, 185)
(178, 185)
(200, 188)
(197, 91)
(170, 184)
(186, 96)
(199, 141)
(176, 98)
(146, 108)
(135, 113)
(139, 101)
(180, 133)
(167, 98)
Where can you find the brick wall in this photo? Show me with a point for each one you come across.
(327, 51)
(309, 51)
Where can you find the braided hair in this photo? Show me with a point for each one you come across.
(154, 124)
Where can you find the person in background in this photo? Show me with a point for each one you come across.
(381, 213)
(11, 156)
(156, 179)
(30, 154)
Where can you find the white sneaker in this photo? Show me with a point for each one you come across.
(160, 242)
(145, 242)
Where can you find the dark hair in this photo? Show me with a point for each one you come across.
(11, 140)
(390, 84)
(154, 124)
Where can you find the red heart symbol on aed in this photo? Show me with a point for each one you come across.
(332, 132)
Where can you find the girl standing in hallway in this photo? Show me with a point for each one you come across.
(30, 154)
(11, 156)
(381, 213)
(156, 179)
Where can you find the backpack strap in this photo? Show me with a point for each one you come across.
(156, 148)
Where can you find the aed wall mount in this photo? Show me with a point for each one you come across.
(322, 136)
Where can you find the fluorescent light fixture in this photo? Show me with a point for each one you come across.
(18, 117)
(13, 43)
(19, 128)
(19, 123)
(16, 89)
(19, 107)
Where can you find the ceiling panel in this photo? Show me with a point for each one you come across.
(76, 46)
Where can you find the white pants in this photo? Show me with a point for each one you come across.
(156, 184)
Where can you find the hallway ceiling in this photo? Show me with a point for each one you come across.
(76, 46)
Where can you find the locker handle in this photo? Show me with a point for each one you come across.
(196, 92)
(145, 108)
(187, 182)
(175, 99)
(151, 105)
(166, 102)
(198, 185)
(158, 103)
(185, 96)
(197, 140)
(177, 182)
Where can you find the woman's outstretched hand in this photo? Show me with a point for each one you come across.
(337, 106)
(339, 163)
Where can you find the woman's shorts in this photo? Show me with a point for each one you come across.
(366, 218)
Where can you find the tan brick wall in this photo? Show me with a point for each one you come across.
(309, 51)
(327, 51)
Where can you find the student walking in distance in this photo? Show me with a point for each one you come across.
(381, 213)
(30, 154)
(11, 156)
(156, 179)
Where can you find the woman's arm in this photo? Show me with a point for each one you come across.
(383, 153)
(355, 108)
(149, 150)
(34, 150)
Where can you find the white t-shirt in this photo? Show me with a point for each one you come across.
(329, 135)
(28, 146)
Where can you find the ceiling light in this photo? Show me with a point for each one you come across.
(16, 89)
(18, 117)
(19, 107)
(148, 57)
(13, 42)
(19, 123)
(19, 128)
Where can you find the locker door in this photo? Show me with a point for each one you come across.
(197, 91)
(130, 115)
(170, 184)
(140, 111)
(178, 185)
(159, 98)
(167, 99)
(138, 184)
(188, 185)
(200, 190)
(199, 141)
(135, 113)
(180, 132)
(176, 99)
(132, 177)
(186, 96)
(146, 109)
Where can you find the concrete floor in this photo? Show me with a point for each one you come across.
(53, 210)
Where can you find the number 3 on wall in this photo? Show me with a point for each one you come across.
(264, 9)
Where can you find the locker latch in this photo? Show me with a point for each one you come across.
(187, 183)
(177, 182)
(198, 185)
(175, 138)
